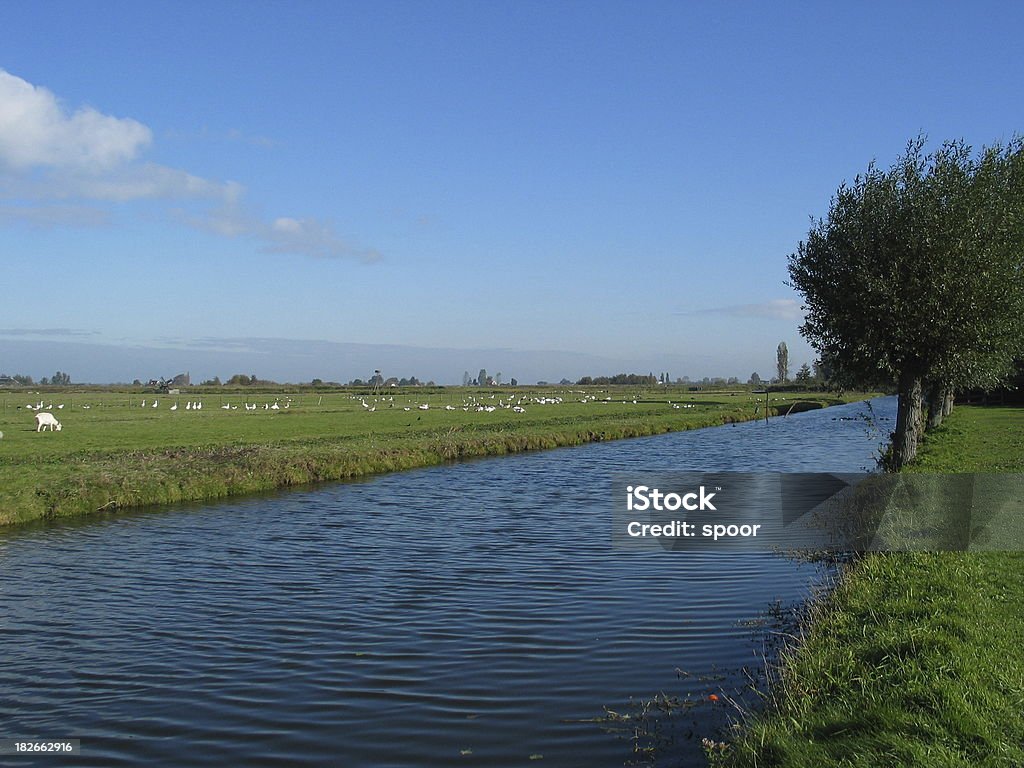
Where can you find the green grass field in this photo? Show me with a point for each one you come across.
(114, 452)
(915, 658)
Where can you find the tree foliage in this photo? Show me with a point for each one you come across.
(635, 379)
(782, 362)
(915, 276)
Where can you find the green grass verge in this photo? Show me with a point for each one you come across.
(114, 453)
(915, 659)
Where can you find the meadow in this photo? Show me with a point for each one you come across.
(129, 448)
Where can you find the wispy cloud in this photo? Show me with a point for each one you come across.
(285, 235)
(50, 216)
(232, 135)
(774, 309)
(311, 236)
(60, 167)
(48, 332)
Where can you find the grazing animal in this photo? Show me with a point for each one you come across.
(46, 419)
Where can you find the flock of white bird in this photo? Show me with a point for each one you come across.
(39, 406)
(470, 403)
(190, 405)
(494, 403)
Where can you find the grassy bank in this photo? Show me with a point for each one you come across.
(122, 449)
(915, 658)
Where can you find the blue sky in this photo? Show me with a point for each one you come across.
(230, 186)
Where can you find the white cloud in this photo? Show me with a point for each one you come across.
(50, 154)
(36, 131)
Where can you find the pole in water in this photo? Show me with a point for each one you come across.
(766, 405)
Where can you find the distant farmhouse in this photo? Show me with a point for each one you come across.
(181, 380)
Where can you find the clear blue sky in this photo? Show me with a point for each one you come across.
(622, 181)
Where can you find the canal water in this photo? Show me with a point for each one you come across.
(473, 614)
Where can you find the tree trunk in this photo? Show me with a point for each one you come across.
(936, 405)
(908, 422)
(947, 407)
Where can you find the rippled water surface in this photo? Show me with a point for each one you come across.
(474, 614)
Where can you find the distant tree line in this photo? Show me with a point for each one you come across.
(807, 376)
(635, 379)
(59, 379)
(252, 380)
(392, 381)
(241, 380)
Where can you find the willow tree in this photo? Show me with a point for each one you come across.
(915, 276)
(977, 208)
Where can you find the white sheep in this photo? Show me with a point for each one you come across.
(46, 419)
